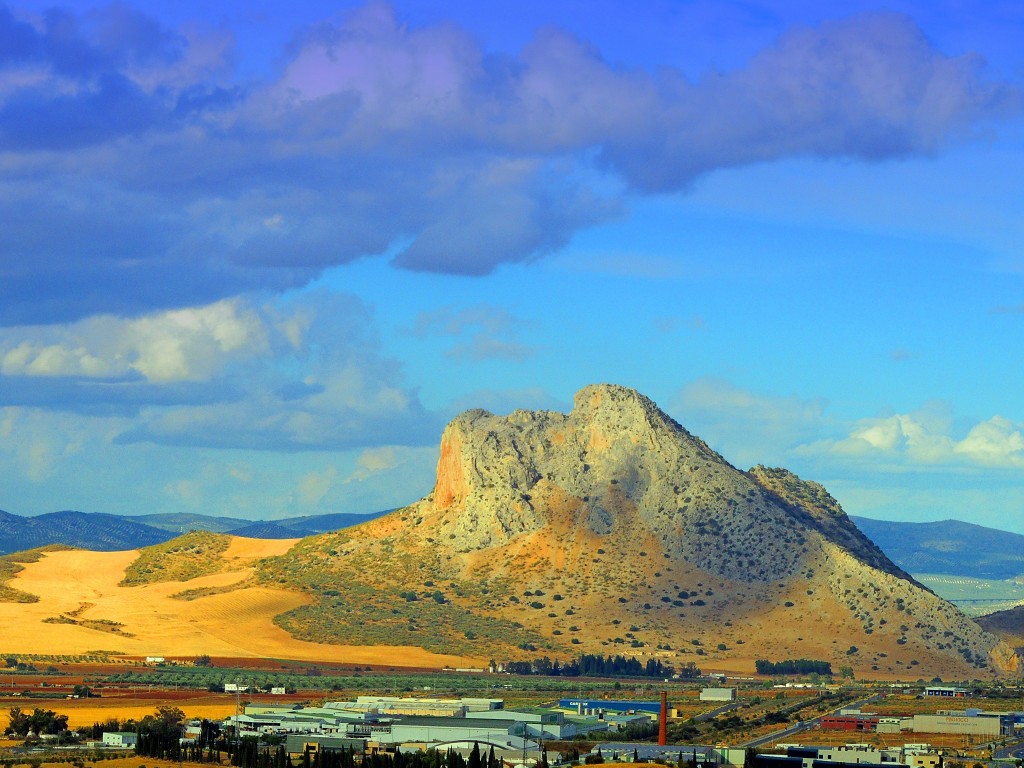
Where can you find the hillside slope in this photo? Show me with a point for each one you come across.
(948, 547)
(1008, 624)
(612, 529)
(95, 531)
(58, 602)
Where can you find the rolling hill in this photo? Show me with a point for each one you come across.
(94, 531)
(948, 547)
(109, 533)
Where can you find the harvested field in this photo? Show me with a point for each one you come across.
(242, 548)
(80, 589)
(83, 712)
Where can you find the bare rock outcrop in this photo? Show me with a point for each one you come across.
(617, 469)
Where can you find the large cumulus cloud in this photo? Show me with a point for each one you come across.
(301, 373)
(138, 173)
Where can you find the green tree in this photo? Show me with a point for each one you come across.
(19, 724)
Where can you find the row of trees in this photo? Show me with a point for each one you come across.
(598, 665)
(173, 747)
(41, 721)
(793, 667)
(250, 754)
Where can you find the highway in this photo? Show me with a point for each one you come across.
(716, 712)
(786, 734)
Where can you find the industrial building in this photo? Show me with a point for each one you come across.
(599, 706)
(945, 692)
(296, 744)
(865, 723)
(848, 756)
(718, 694)
(449, 731)
(397, 705)
(971, 722)
(670, 754)
(534, 722)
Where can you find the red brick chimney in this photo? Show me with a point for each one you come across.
(663, 719)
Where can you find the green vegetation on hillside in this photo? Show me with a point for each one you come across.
(195, 554)
(809, 496)
(378, 595)
(793, 667)
(196, 592)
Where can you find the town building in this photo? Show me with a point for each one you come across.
(945, 692)
(864, 723)
(120, 739)
(718, 694)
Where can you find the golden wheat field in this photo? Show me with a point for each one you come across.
(78, 587)
(85, 712)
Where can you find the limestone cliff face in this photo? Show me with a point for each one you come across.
(616, 446)
(618, 476)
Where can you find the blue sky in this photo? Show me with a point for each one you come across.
(253, 259)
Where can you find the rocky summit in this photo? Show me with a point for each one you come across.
(613, 529)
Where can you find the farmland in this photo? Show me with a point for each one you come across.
(73, 602)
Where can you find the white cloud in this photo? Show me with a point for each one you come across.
(378, 459)
(36, 444)
(914, 439)
(748, 428)
(996, 442)
(191, 344)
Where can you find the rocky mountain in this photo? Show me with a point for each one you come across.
(1008, 624)
(949, 547)
(612, 528)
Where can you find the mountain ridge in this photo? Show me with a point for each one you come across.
(572, 525)
(952, 547)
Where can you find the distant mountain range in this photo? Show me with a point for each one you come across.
(948, 547)
(109, 533)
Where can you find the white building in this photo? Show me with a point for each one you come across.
(718, 694)
(120, 739)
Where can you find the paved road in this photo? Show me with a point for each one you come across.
(719, 711)
(1015, 750)
(786, 733)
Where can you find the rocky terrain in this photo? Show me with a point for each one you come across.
(1008, 625)
(611, 528)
